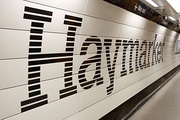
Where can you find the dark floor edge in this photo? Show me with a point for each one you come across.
(141, 103)
(128, 108)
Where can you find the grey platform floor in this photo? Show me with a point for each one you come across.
(164, 105)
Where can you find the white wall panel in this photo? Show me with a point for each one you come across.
(98, 27)
(13, 73)
(14, 44)
(134, 20)
(12, 14)
(104, 10)
(153, 27)
(130, 79)
(10, 101)
(69, 5)
(53, 43)
(160, 38)
(150, 36)
(52, 87)
(172, 33)
(146, 35)
(130, 32)
(51, 71)
(170, 39)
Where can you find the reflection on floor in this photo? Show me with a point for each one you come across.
(164, 105)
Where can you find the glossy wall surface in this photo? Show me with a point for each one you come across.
(76, 59)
